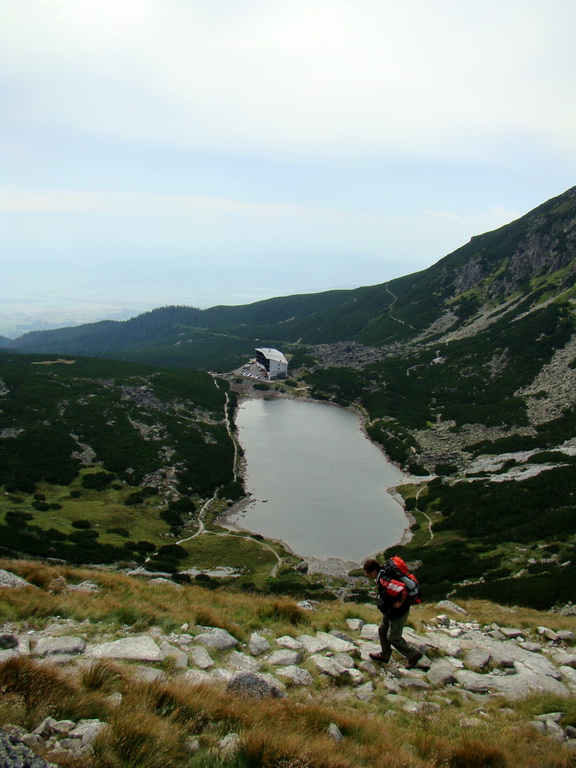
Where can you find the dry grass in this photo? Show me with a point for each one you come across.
(267, 747)
(150, 725)
(103, 676)
(485, 612)
(37, 691)
(140, 738)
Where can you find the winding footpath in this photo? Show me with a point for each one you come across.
(430, 531)
(204, 508)
(392, 303)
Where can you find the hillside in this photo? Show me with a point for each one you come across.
(103, 669)
(500, 274)
(465, 374)
(102, 461)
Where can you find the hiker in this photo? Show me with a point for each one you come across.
(394, 604)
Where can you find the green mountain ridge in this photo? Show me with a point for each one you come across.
(465, 373)
(532, 258)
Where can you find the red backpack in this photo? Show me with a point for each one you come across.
(397, 569)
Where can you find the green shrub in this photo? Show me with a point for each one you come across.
(16, 522)
(134, 499)
(540, 591)
(144, 546)
(172, 550)
(232, 491)
(97, 481)
(165, 565)
(183, 505)
(119, 531)
(83, 535)
(19, 513)
(172, 518)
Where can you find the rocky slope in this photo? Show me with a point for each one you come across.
(464, 661)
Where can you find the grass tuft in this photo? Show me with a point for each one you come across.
(471, 753)
(40, 690)
(140, 738)
(102, 676)
(266, 748)
(283, 610)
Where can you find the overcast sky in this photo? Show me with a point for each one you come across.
(207, 152)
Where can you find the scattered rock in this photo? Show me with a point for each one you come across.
(214, 637)
(229, 744)
(240, 661)
(335, 643)
(8, 642)
(477, 661)
(448, 605)
(328, 666)
(290, 643)
(442, 673)
(477, 658)
(201, 658)
(312, 644)
(178, 656)
(51, 646)
(258, 644)
(296, 675)
(284, 658)
(86, 586)
(139, 648)
(13, 752)
(470, 722)
(253, 686)
(355, 624)
(11, 581)
(335, 733)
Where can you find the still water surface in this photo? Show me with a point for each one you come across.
(325, 484)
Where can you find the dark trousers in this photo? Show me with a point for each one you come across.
(390, 634)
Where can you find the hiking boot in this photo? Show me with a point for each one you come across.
(379, 657)
(414, 661)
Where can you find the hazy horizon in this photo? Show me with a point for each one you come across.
(206, 152)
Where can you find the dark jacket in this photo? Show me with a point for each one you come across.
(391, 592)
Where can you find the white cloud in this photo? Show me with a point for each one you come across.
(303, 143)
(361, 76)
(206, 228)
(15, 199)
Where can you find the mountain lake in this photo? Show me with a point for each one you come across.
(317, 483)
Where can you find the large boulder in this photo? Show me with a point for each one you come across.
(217, 638)
(138, 648)
(336, 644)
(284, 658)
(54, 646)
(511, 686)
(296, 675)
(442, 673)
(12, 581)
(253, 686)
(258, 644)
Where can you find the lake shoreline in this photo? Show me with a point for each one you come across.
(332, 566)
